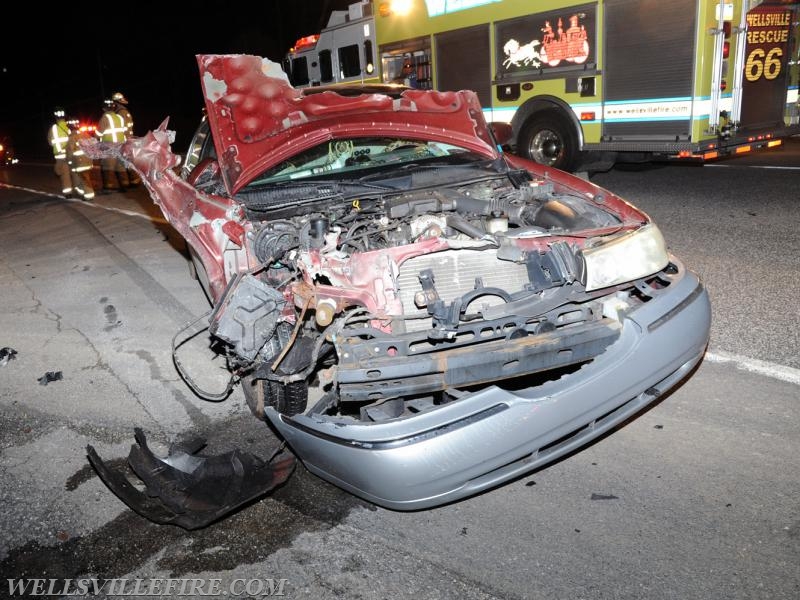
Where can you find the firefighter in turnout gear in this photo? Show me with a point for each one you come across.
(111, 129)
(120, 105)
(80, 165)
(121, 108)
(58, 136)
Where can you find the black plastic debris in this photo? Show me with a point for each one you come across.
(7, 354)
(658, 427)
(186, 488)
(50, 376)
(604, 497)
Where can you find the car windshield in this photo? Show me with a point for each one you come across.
(354, 154)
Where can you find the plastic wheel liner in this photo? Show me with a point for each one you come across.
(188, 489)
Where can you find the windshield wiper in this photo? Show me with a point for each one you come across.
(498, 166)
(295, 193)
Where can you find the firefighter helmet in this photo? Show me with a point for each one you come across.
(119, 97)
(58, 112)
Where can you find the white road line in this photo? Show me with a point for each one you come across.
(753, 365)
(129, 213)
(776, 167)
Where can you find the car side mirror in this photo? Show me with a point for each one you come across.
(203, 172)
(502, 132)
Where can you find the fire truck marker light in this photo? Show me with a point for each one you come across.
(400, 7)
(588, 116)
(743, 149)
(774, 143)
(710, 155)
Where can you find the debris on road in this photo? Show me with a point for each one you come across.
(7, 354)
(188, 489)
(604, 497)
(50, 376)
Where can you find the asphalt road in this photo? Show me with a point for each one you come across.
(697, 498)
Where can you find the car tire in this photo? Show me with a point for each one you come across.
(288, 399)
(548, 139)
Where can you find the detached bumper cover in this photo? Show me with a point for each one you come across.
(186, 488)
(494, 435)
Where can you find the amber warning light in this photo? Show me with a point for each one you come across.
(306, 42)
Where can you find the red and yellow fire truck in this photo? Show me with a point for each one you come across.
(611, 79)
(343, 52)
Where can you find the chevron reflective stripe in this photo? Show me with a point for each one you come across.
(62, 155)
(66, 190)
(79, 169)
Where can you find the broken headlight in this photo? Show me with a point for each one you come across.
(625, 258)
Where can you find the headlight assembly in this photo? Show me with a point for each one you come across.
(630, 256)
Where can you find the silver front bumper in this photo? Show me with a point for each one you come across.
(494, 435)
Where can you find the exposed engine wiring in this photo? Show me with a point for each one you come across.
(212, 397)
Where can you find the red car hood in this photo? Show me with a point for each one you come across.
(258, 120)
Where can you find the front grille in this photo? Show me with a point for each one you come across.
(454, 273)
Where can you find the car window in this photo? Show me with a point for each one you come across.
(201, 146)
(345, 155)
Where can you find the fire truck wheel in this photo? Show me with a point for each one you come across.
(547, 138)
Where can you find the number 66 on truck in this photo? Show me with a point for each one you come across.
(611, 80)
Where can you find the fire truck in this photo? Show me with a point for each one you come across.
(343, 52)
(610, 80)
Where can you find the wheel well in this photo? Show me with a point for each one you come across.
(544, 103)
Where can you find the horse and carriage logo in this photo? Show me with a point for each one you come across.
(570, 45)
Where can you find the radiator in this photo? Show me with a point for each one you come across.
(454, 273)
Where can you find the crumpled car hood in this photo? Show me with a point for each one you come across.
(258, 119)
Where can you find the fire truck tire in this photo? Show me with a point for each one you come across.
(548, 139)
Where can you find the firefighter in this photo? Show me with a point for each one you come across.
(120, 105)
(58, 136)
(408, 73)
(111, 129)
(80, 165)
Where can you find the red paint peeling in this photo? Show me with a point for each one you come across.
(234, 231)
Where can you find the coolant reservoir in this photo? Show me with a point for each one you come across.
(497, 223)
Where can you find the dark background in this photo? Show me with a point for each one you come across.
(75, 55)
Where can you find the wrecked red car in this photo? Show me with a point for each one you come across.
(461, 315)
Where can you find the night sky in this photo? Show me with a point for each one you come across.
(72, 57)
